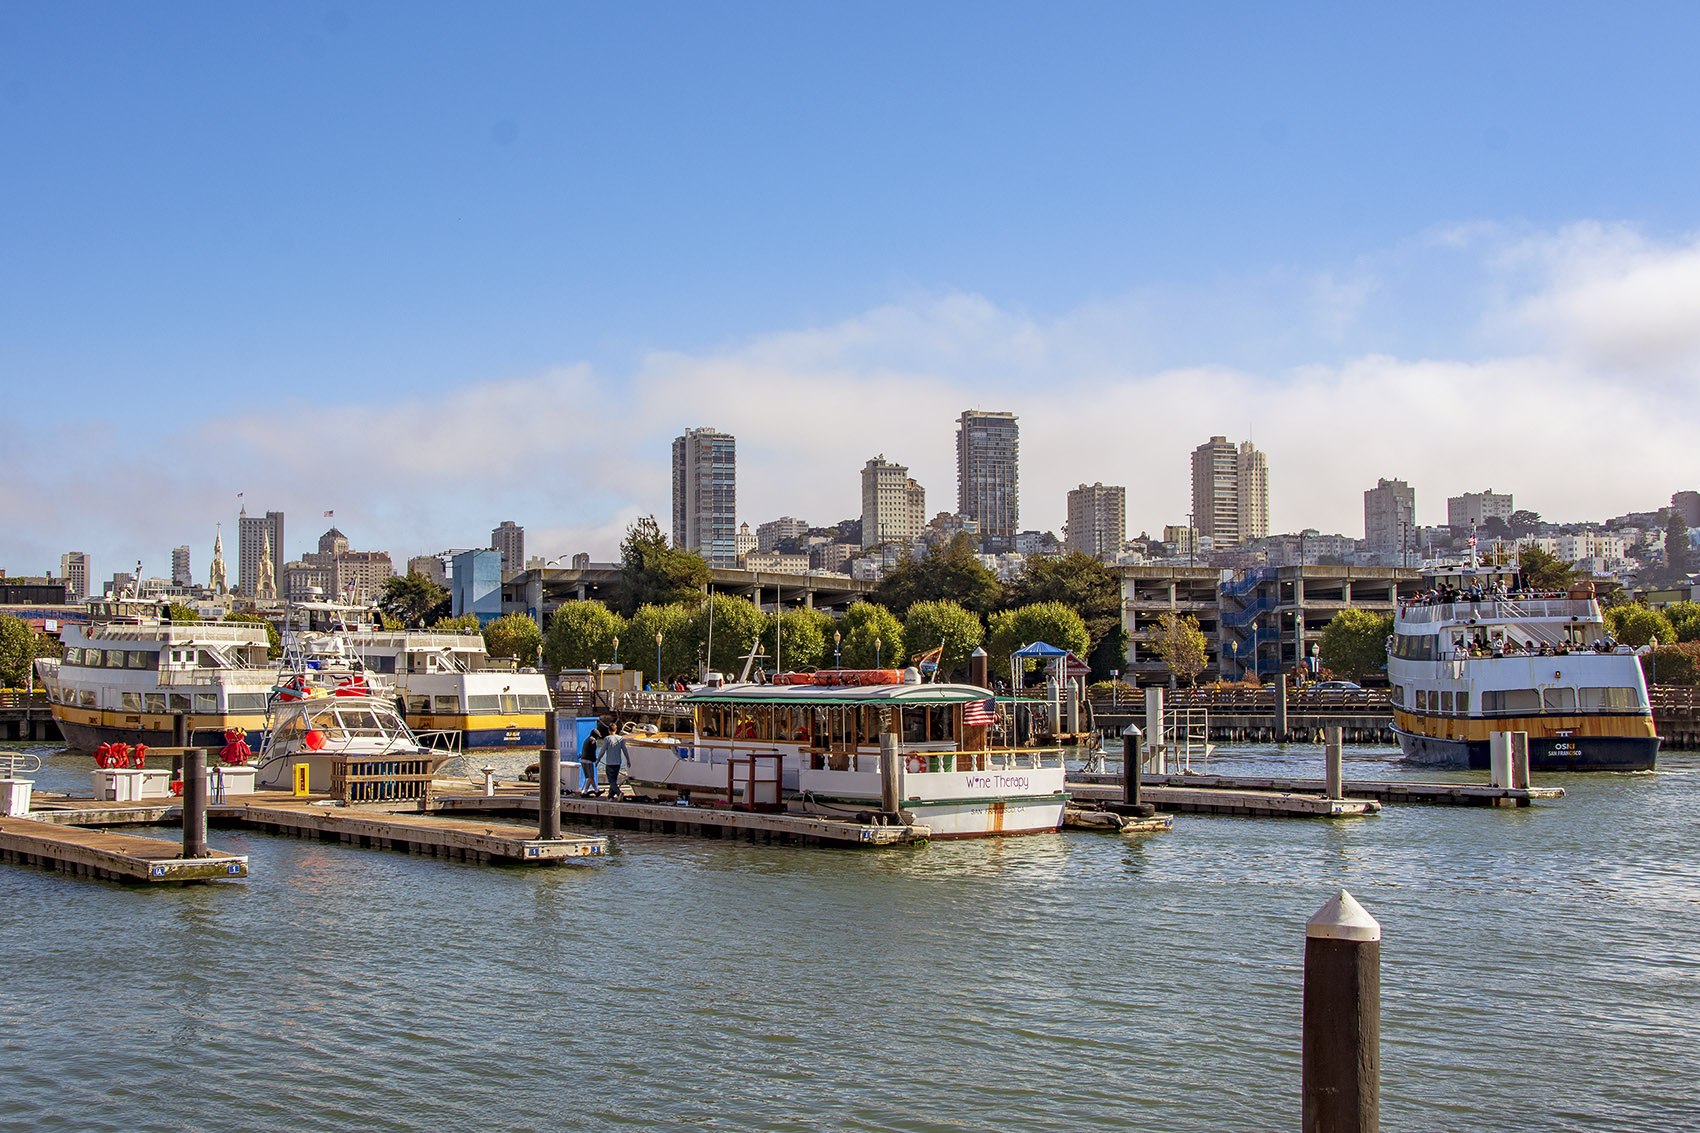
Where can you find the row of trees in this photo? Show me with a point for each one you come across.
(19, 647)
(677, 635)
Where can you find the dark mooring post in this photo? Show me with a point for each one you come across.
(1133, 765)
(549, 779)
(1342, 1020)
(979, 671)
(1281, 709)
(195, 803)
(179, 740)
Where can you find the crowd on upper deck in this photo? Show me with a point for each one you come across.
(1444, 595)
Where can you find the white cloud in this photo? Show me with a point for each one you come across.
(1585, 416)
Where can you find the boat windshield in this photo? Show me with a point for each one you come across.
(339, 720)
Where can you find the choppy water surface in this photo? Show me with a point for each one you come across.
(1539, 972)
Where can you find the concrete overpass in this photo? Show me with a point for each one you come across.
(537, 593)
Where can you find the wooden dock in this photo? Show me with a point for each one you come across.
(1107, 821)
(1381, 790)
(103, 854)
(695, 821)
(1244, 803)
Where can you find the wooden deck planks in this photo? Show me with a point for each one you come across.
(102, 853)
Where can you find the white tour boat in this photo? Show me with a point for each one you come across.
(826, 737)
(1475, 654)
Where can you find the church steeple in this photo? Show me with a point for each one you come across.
(265, 590)
(217, 581)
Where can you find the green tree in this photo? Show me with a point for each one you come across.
(1679, 558)
(931, 624)
(805, 633)
(1673, 665)
(274, 639)
(181, 614)
(1524, 522)
(19, 647)
(678, 646)
(1684, 618)
(1354, 643)
(580, 633)
(1051, 622)
(1636, 625)
(948, 572)
(1181, 645)
(1543, 570)
(736, 625)
(655, 573)
(1090, 587)
(410, 599)
(466, 623)
(863, 624)
(513, 635)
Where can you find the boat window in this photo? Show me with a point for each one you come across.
(941, 729)
(73, 656)
(1461, 702)
(1610, 697)
(534, 702)
(94, 658)
(510, 704)
(142, 659)
(1511, 700)
(914, 725)
(1422, 700)
(1559, 699)
(179, 702)
(1398, 695)
(706, 723)
(481, 703)
(86, 698)
(245, 701)
(154, 702)
(1446, 702)
(358, 720)
(206, 702)
(421, 705)
(445, 705)
(130, 701)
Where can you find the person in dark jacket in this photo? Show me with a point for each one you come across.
(587, 760)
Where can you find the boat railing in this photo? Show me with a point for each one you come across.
(440, 739)
(1012, 759)
(1502, 609)
(648, 702)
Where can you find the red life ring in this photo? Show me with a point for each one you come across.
(138, 755)
(916, 764)
(103, 755)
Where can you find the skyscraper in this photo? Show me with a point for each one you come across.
(1390, 512)
(1230, 492)
(181, 575)
(988, 487)
(74, 566)
(705, 495)
(894, 507)
(1471, 510)
(509, 539)
(252, 535)
(1097, 519)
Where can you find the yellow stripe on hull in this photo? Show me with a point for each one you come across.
(1476, 729)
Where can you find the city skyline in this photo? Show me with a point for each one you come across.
(343, 208)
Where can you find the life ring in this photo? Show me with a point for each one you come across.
(138, 755)
(916, 764)
(103, 756)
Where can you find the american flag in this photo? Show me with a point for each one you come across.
(328, 514)
(979, 712)
(1472, 542)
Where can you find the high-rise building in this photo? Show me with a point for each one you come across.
(988, 476)
(252, 534)
(509, 539)
(1390, 513)
(475, 585)
(705, 495)
(181, 575)
(1471, 510)
(351, 576)
(774, 532)
(1097, 520)
(1687, 505)
(746, 541)
(1230, 492)
(74, 566)
(894, 507)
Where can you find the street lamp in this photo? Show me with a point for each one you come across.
(878, 644)
(836, 639)
(657, 658)
(616, 649)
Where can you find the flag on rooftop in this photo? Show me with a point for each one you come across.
(979, 712)
(328, 514)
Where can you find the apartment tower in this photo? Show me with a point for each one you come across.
(894, 507)
(1097, 520)
(988, 486)
(1230, 492)
(705, 495)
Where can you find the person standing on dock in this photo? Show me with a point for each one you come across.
(613, 759)
(587, 761)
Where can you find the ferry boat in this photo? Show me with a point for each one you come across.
(1475, 654)
(449, 683)
(128, 672)
(446, 682)
(826, 736)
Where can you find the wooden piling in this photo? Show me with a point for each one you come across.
(195, 803)
(549, 779)
(1341, 1056)
(1333, 756)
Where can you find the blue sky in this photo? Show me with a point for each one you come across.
(435, 267)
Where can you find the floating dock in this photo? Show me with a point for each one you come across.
(1245, 803)
(695, 821)
(1382, 791)
(115, 857)
(435, 834)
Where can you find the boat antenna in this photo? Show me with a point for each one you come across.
(708, 664)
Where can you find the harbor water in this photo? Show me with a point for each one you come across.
(1538, 968)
